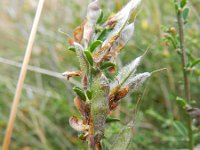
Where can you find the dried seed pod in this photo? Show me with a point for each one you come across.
(135, 81)
(93, 14)
(124, 37)
(123, 139)
(125, 73)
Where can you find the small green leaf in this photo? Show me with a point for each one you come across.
(89, 94)
(80, 93)
(106, 65)
(111, 120)
(72, 48)
(180, 127)
(103, 34)
(196, 62)
(99, 20)
(94, 45)
(81, 136)
(185, 13)
(183, 3)
(177, 7)
(182, 102)
(89, 57)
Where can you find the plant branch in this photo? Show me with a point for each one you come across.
(185, 73)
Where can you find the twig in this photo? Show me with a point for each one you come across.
(185, 74)
(22, 76)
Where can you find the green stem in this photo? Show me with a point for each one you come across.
(185, 73)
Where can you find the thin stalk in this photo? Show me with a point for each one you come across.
(8, 134)
(185, 73)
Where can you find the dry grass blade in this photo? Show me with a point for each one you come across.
(22, 76)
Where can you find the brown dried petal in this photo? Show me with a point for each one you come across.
(77, 124)
(80, 105)
(78, 33)
(69, 74)
(121, 93)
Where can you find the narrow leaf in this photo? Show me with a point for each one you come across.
(111, 120)
(94, 45)
(183, 3)
(80, 93)
(180, 127)
(185, 13)
(72, 48)
(89, 57)
(196, 62)
(106, 65)
(100, 18)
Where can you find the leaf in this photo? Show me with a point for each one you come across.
(80, 93)
(182, 102)
(156, 115)
(72, 48)
(84, 64)
(185, 13)
(123, 139)
(89, 57)
(77, 124)
(94, 45)
(180, 127)
(99, 20)
(111, 120)
(196, 62)
(89, 94)
(183, 3)
(103, 34)
(83, 136)
(106, 65)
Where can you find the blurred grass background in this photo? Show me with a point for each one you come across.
(47, 102)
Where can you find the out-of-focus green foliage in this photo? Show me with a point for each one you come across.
(47, 102)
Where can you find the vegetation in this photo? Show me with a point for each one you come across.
(165, 110)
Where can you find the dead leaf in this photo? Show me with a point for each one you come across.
(69, 74)
(77, 124)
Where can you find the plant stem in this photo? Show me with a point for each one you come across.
(21, 79)
(185, 74)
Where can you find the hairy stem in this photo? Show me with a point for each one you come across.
(185, 74)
